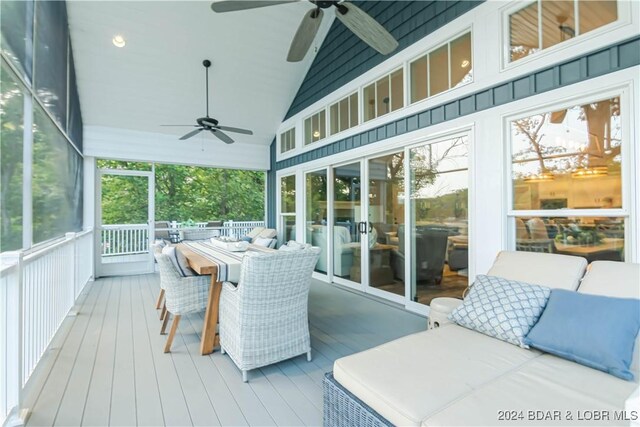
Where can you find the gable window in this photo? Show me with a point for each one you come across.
(383, 96)
(546, 23)
(567, 181)
(315, 128)
(343, 114)
(288, 140)
(443, 68)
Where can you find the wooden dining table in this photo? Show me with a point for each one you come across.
(203, 265)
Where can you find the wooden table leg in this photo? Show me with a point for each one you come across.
(209, 334)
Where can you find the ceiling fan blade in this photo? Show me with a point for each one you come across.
(236, 130)
(365, 27)
(190, 134)
(305, 35)
(181, 126)
(222, 136)
(222, 6)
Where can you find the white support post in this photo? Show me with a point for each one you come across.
(75, 271)
(27, 171)
(15, 363)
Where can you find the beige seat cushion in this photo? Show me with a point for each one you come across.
(255, 233)
(551, 270)
(613, 279)
(547, 383)
(268, 233)
(409, 379)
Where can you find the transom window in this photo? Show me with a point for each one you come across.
(443, 68)
(288, 140)
(315, 128)
(383, 96)
(546, 23)
(343, 114)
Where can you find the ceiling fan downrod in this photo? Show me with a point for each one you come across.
(207, 64)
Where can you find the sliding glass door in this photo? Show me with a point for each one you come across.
(316, 210)
(347, 223)
(384, 241)
(394, 225)
(439, 229)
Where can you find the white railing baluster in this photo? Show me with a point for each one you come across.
(37, 290)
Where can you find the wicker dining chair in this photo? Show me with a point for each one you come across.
(183, 295)
(263, 320)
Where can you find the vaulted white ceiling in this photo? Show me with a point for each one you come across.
(158, 77)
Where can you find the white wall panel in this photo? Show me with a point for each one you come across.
(202, 150)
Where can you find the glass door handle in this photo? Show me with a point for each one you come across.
(362, 227)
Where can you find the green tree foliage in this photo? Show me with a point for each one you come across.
(184, 193)
(56, 182)
(11, 134)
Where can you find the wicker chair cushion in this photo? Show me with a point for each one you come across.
(265, 242)
(179, 261)
(292, 245)
(268, 233)
(255, 233)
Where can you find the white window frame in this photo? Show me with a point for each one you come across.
(624, 92)
(348, 98)
(292, 137)
(374, 82)
(304, 130)
(426, 54)
(624, 18)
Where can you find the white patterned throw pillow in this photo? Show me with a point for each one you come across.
(502, 308)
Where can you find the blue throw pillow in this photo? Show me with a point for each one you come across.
(246, 239)
(501, 308)
(592, 330)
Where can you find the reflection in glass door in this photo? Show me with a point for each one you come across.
(385, 239)
(346, 219)
(316, 215)
(439, 233)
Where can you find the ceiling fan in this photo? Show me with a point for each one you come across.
(210, 124)
(358, 21)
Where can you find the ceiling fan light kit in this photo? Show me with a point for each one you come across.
(355, 19)
(209, 123)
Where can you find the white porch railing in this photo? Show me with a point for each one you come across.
(121, 239)
(37, 291)
(129, 239)
(239, 228)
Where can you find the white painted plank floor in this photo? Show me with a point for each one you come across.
(110, 369)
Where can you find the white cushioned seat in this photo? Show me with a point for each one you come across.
(546, 383)
(411, 378)
(613, 279)
(268, 233)
(417, 377)
(551, 270)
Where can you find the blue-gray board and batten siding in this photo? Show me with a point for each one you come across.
(597, 63)
(593, 64)
(603, 61)
(343, 56)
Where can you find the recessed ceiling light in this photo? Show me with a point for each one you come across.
(119, 41)
(465, 63)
